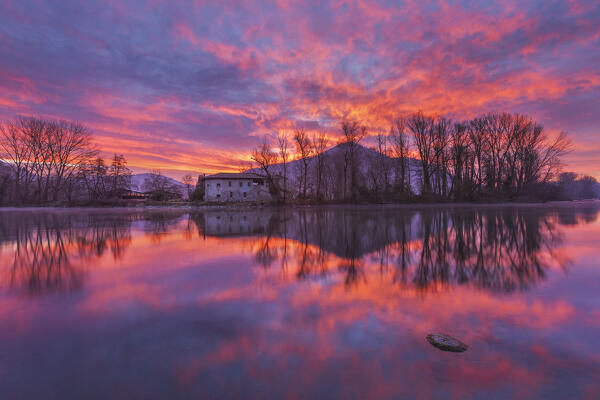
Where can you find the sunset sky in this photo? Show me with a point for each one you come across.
(190, 86)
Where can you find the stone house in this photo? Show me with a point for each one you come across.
(234, 224)
(232, 187)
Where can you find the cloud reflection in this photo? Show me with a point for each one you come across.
(314, 303)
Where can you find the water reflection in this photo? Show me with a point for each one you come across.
(299, 303)
(500, 249)
(50, 252)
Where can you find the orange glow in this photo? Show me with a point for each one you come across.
(197, 96)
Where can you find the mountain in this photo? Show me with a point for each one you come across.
(368, 169)
(137, 183)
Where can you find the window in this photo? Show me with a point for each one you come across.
(248, 184)
(229, 183)
(230, 195)
(218, 185)
(218, 196)
(241, 183)
(244, 196)
(208, 185)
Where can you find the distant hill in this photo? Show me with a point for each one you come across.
(137, 183)
(334, 160)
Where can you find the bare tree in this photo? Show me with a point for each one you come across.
(512, 154)
(441, 132)
(319, 146)
(37, 138)
(422, 128)
(16, 151)
(459, 154)
(550, 159)
(304, 150)
(244, 165)
(380, 175)
(188, 181)
(498, 143)
(70, 146)
(477, 134)
(353, 134)
(283, 144)
(94, 177)
(401, 148)
(265, 157)
(45, 156)
(119, 175)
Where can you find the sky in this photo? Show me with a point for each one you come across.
(192, 86)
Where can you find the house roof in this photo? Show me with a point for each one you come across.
(228, 175)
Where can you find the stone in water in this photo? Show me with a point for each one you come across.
(446, 343)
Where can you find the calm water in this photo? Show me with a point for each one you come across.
(311, 303)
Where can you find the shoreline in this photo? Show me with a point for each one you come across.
(233, 207)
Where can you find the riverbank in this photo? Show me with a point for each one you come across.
(247, 206)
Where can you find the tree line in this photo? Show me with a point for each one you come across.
(49, 161)
(46, 161)
(499, 156)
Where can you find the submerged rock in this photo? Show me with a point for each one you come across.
(446, 343)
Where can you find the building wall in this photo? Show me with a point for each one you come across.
(227, 190)
(235, 223)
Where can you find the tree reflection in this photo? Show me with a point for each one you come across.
(50, 252)
(160, 224)
(500, 249)
(428, 249)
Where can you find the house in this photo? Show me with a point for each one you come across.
(232, 187)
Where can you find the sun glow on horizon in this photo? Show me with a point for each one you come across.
(192, 91)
